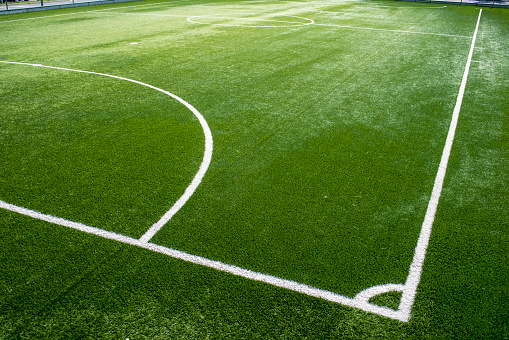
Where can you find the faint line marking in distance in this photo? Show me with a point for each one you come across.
(194, 20)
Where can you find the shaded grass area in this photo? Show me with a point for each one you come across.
(327, 141)
(98, 151)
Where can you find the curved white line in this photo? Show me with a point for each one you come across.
(207, 156)
(366, 294)
(295, 23)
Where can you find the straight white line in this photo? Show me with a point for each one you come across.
(395, 31)
(65, 223)
(411, 7)
(217, 265)
(414, 275)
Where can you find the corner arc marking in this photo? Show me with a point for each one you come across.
(370, 292)
(363, 297)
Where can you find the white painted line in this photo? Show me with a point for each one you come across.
(412, 7)
(207, 156)
(394, 31)
(217, 265)
(414, 276)
(361, 300)
(409, 289)
(290, 23)
(65, 223)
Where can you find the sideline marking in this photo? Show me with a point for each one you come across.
(207, 155)
(414, 275)
(413, 7)
(361, 300)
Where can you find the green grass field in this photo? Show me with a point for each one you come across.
(328, 119)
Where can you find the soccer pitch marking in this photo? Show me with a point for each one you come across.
(296, 24)
(413, 7)
(207, 155)
(195, 20)
(408, 290)
(393, 31)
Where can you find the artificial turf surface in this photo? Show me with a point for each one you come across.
(327, 139)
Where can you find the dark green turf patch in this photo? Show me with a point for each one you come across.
(76, 146)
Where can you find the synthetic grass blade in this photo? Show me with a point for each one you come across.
(361, 300)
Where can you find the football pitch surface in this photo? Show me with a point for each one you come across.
(255, 169)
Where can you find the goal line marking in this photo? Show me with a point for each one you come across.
(217, 265)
